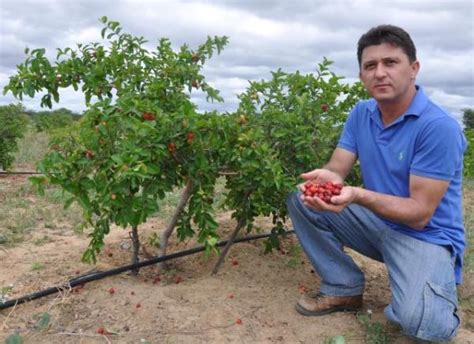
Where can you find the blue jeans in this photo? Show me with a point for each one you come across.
(421, 275)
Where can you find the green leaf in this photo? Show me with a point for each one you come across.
(14, 339)
(337, 340)
(56, 96)
(68, 202)
(84, 201)
(39, 183)
(42, 322)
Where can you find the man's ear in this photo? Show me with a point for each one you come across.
(415, 66)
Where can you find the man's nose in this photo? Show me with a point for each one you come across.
(380, 70)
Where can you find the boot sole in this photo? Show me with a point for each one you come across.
(309, 313)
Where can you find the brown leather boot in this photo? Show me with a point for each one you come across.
(316, 303)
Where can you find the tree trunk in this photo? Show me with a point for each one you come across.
(136, 248)
(172, 224)
(226, 249)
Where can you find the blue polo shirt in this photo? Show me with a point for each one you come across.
(424, 141)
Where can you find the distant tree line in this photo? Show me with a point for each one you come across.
(468, 118)
(47, 120)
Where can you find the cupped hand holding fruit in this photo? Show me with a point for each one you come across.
(323, 190)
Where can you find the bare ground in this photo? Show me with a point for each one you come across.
(250, 300)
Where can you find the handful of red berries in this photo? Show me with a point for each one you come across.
(324, 191)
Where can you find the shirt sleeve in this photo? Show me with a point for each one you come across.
(348, 138)
(439, 150)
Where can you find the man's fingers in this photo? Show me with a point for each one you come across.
(310, 175)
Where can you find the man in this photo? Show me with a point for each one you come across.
(409, 213)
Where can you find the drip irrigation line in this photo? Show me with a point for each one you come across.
(81, 280)
(19, 172)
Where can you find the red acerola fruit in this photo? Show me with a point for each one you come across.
(89, 154)
(171, 147)
(190, 137)
(148, 116)
(323, 191)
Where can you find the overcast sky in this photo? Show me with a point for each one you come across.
(264, 35)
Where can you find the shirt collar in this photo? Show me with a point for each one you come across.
(418, 104)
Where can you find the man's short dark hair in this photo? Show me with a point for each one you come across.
(387, 34)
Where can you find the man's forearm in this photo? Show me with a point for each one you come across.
(337, 170)
(403, 210)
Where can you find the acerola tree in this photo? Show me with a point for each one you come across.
(469, 155)
(122, 160)
(289, 125)
(13, 125)
(142, 137)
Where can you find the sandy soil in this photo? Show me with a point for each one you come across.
(250, 300)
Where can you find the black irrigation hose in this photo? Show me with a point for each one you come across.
(7, 173)
(101, 274)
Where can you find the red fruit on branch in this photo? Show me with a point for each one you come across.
(171, 147)
(148, 116)
(190, 137)
(195, 84)
(324, 107)
(89, 154)
(323, 191)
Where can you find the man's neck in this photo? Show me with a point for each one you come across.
(390, 111)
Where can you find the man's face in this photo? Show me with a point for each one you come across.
(387, 73)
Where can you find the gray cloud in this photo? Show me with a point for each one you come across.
(264, 35)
